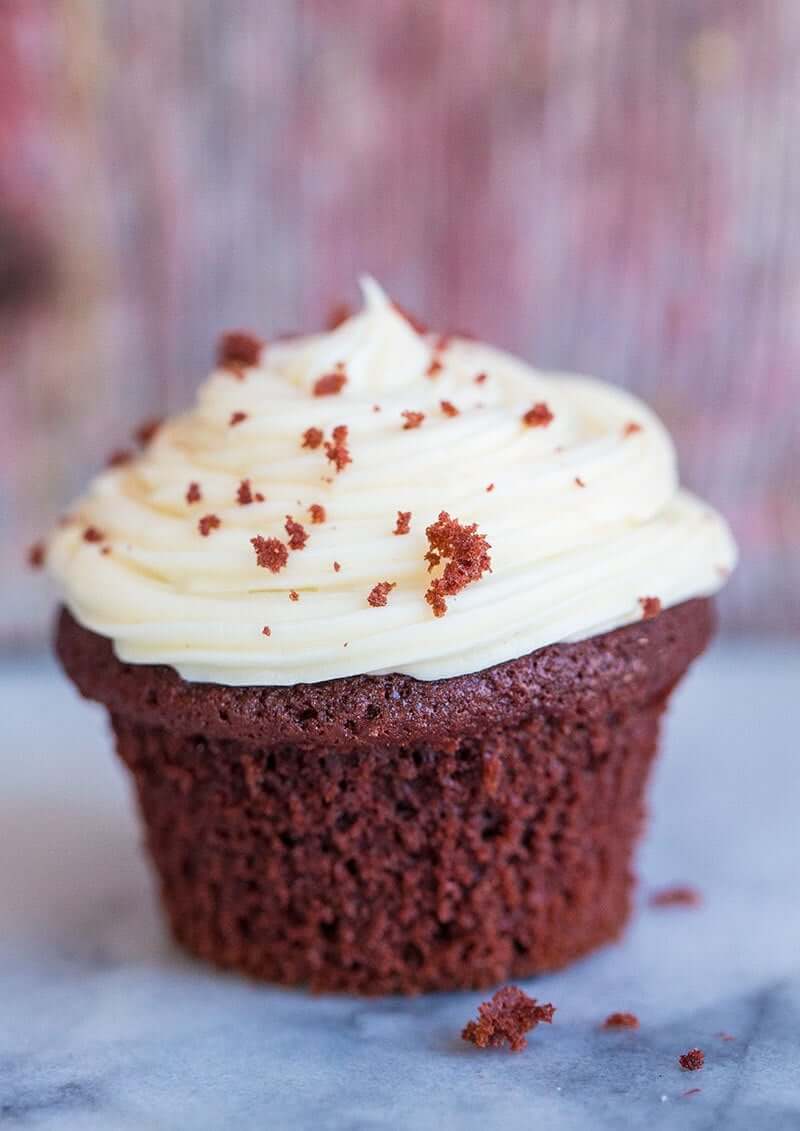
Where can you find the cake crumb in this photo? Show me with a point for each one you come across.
(36, 554)
(448, 408)
(403, 523)
(238, 349)
(193, 493)
(435, 368)
(236, 418)
(692, 1061)
(680, 895)
(330, 384)
(336, 567)
(651, 607)
(298, 536)
(725, 1036)
(294, 595)
(337, 315)
(412, 419)
(271, 553)
(92, 534)
(318, 513)
(579, 482)
(490, 488)
(244, 493)
(312, 438)
(336, 448)
(505, 1019)
(480, 378)
(146, 432)
(208, 523)
(376, 408)
(119, 458)
(266, 630)
(631, 428)
(466, 553)
(621, 1021)
(379, 594)
(539, 416)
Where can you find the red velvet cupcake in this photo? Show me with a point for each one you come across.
(385, 627)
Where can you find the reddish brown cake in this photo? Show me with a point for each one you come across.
(384, 834)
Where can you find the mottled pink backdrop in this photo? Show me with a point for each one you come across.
(604, 185)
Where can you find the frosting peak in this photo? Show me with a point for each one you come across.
(379, 346)
(296, 495)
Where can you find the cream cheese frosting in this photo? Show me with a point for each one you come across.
(583, 513)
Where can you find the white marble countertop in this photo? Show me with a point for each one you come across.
(105, 1027)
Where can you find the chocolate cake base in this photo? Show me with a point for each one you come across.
(382, 834)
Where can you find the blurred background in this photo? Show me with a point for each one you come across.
(603, 185)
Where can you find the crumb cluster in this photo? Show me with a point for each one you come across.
(466, 553)
(237, 350)
(298, 536)
(208, 523)
(692, 1061)
(651, 607)
(336, 448)
(412, 419)
(271, 553)
(538, 417)
(403, 523)
(379, 594)
(505, 1019)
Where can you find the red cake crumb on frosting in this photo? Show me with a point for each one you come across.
(693, 1060)
(412, 419)
(271, 553)
(237, 418)
(481, 377)
(505, 1019)
(266, 630)
(434, 369)
(244, 493)
(146, 432)
(448, 408)
(92, 534)
(36, 555)
(294, 595)
(467, 555)
(238, 349)
(631, 428)
(312, 438)
(336, 449)
(336, 567)
(621, 1021)
(539, 416)
(379, 594)
(318, 513)
(330, 384)
(338, 314)
(403, 524)
(298, 536)
(651, 607)
(119, 458)
(193, 493)
(208, 523)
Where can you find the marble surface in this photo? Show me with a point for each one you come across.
(105, 1027)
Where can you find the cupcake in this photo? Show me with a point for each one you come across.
(385, 626)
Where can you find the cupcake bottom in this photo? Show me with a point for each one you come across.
(394, 836)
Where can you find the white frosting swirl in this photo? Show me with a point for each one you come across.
(585, 516)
